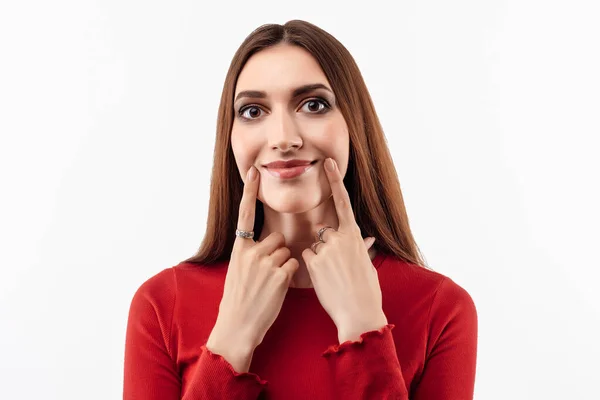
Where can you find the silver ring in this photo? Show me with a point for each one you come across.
(313, 246)
(320, 232)
(244, 234)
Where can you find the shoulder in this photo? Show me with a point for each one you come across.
(158, 281)
(409, 279)
(166, 284)
(452, 305)
(421, 277)
(187, 291)
(444, 298)
(452, 321)
(452, 314)
(453, 294)
(156, 294)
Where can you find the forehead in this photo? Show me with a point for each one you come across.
(278, 69)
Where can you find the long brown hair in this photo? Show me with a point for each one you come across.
(371, 178)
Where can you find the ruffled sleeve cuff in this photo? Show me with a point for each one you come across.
(218, 359)
(221, 381)
(368, 367)
(349, 344)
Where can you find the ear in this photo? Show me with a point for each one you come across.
(369, 242)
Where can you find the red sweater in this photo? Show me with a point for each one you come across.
(426, 352)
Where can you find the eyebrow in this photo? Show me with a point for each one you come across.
(295, 93)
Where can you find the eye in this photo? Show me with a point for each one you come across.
(253, 115)
(315, 105)
(316, 102)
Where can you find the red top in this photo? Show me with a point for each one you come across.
(426, 352)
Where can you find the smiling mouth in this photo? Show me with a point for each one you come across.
(291, 172)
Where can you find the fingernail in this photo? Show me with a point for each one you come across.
(330, 165)
(252, 174)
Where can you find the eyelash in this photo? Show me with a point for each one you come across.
(317, 99)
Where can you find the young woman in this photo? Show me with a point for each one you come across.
(308, 283)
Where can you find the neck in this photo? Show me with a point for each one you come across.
(299, 230)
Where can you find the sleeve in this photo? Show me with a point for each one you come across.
(367, 368)
(151, 371)
(449, 370)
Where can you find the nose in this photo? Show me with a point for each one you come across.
(283, 132)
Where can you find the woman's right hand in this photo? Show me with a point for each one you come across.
(256, 283)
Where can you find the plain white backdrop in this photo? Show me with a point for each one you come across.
(107, 120)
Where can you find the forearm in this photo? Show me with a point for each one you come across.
(236, 352)
(351, 330)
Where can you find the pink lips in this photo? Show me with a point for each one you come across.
(288, 173)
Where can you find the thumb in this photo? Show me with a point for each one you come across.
(369, 242)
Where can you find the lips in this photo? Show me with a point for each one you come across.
(288, 164)
(292, 171)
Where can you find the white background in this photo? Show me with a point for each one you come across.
(107, 119)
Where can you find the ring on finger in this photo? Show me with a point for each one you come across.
(320, 232)
(244, 234)
(313, 246)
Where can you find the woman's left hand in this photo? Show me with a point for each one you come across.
(341, 270)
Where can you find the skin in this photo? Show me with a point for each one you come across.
(259, 274)
(279, 127)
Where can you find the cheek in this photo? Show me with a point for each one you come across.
(332, 138)
(244, 149)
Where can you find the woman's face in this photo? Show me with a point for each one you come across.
(276, 125)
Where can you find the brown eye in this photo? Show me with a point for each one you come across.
(254, 112)
(316, 106)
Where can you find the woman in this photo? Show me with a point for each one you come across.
(317, 290)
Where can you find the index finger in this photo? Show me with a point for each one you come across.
(341, 198)
(248, 203)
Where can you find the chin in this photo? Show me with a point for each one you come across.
(292, 206)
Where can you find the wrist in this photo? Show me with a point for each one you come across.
(235, 352)
(231, 340)
(351, 331)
